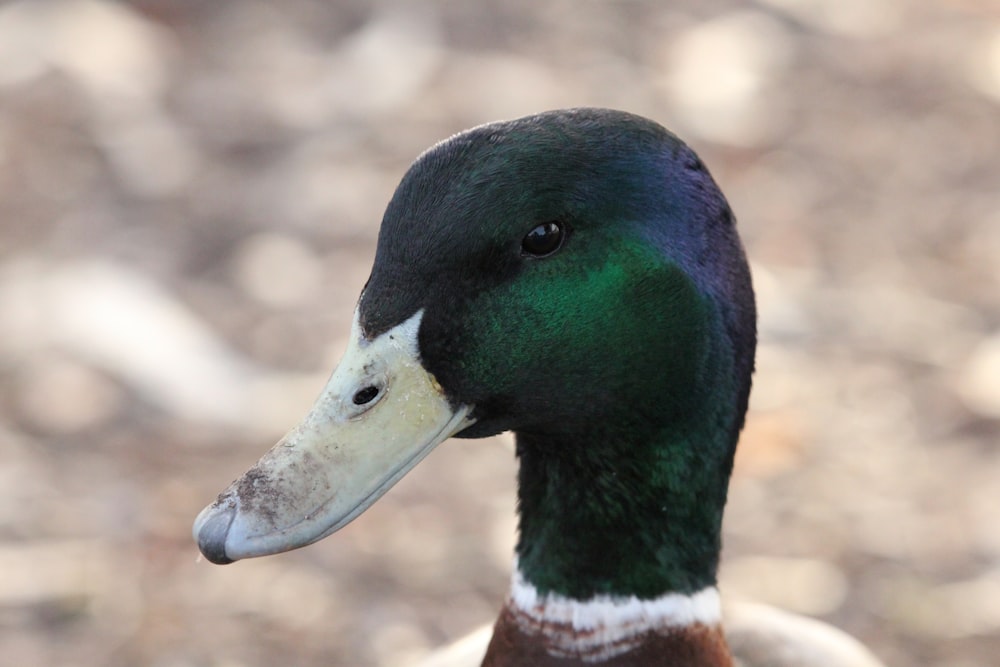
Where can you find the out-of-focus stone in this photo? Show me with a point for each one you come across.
(469, 650)
(387, 62)
(294, 595)
(117, 55)
(399, 644)
(121, 60)
(483, 87)
(61, 396)
(978, 381)
(150, 154)
(322, 186)
(278, 270)
(910, 323)
(952, 611)
(73, 574)
(852, 18)
(772, 442)
(779, 293)
(983, 66)
(721, 77)
(802, 585)
(125, 324)
(22, 57)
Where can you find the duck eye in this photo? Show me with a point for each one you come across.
(543, 240)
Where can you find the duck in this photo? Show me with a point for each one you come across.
(574, 277)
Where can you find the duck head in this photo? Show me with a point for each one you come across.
(574, 277)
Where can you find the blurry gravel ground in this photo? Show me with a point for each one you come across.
(189, 197)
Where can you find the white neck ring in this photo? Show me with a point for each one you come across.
(604, 626)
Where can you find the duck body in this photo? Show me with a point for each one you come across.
(574, 277)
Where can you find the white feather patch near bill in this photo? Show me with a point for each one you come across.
(605, 626)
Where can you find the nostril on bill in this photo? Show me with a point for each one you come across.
(365, 395)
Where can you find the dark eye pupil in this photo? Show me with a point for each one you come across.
(543, 240)
(365, 395)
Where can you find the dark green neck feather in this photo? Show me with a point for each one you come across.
(609, 512)
(631, 502)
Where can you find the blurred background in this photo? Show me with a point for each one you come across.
(190, 193)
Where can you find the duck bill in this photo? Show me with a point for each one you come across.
(380, 413)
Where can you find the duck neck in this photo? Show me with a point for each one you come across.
(618, 550)
(610, 514)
